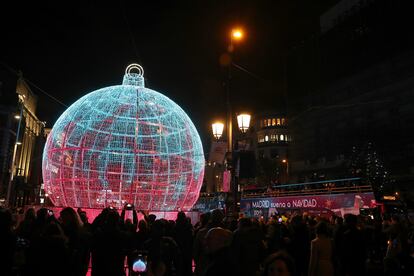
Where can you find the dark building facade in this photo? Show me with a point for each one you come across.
(362, 94)
(21, 144)
(271, 143)
(272, 135)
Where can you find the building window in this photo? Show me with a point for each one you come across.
(266, 138)
(273, 122)
(283, 121)
(282, 137)
(260, 139)
(265, 123)
(269, 122)
(272, 137)
(278, 121)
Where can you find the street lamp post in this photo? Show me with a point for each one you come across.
(236, 35)
(16, 144)
(285, 161)
(243, 121)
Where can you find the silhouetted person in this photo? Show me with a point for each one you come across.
(276, 235)
(247, 247)
(99, 220)
(52, 252)
(321, 257)
(85, 221)
(164, 255)
(199, 246)
(338, 234)
(352, 250)
(108, 245)
(47, 235)
(216, 219)
(24, 234)
(183, 235)
(204, 218)
(278, 264)
(150, 219)
(221, 260)
(299, 244)
(7, 242)
(130, 225)
(138, 240)
(201, 258)
(142, 235)
(26, 227)
(78, 241)
(40, 223)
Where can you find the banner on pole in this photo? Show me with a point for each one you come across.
(226, 181)
(218, 152)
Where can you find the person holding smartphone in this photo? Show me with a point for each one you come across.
(130, 218)
(128, 211)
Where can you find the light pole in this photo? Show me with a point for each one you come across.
(236, 35)
(16, 144)
(285, 161)
(243, 121)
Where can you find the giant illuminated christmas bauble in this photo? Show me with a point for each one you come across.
(124, 144)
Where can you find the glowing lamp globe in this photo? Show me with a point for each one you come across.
(124, 144)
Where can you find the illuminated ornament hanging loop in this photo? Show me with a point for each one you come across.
(135, 79)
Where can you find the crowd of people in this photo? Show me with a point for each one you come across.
(43, 243)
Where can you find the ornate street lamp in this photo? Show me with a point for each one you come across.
(243, 120)
(217, 129)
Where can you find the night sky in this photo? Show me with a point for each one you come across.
(69, 50)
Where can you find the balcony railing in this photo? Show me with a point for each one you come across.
(310, 191)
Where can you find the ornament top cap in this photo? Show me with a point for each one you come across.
(135, 79)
